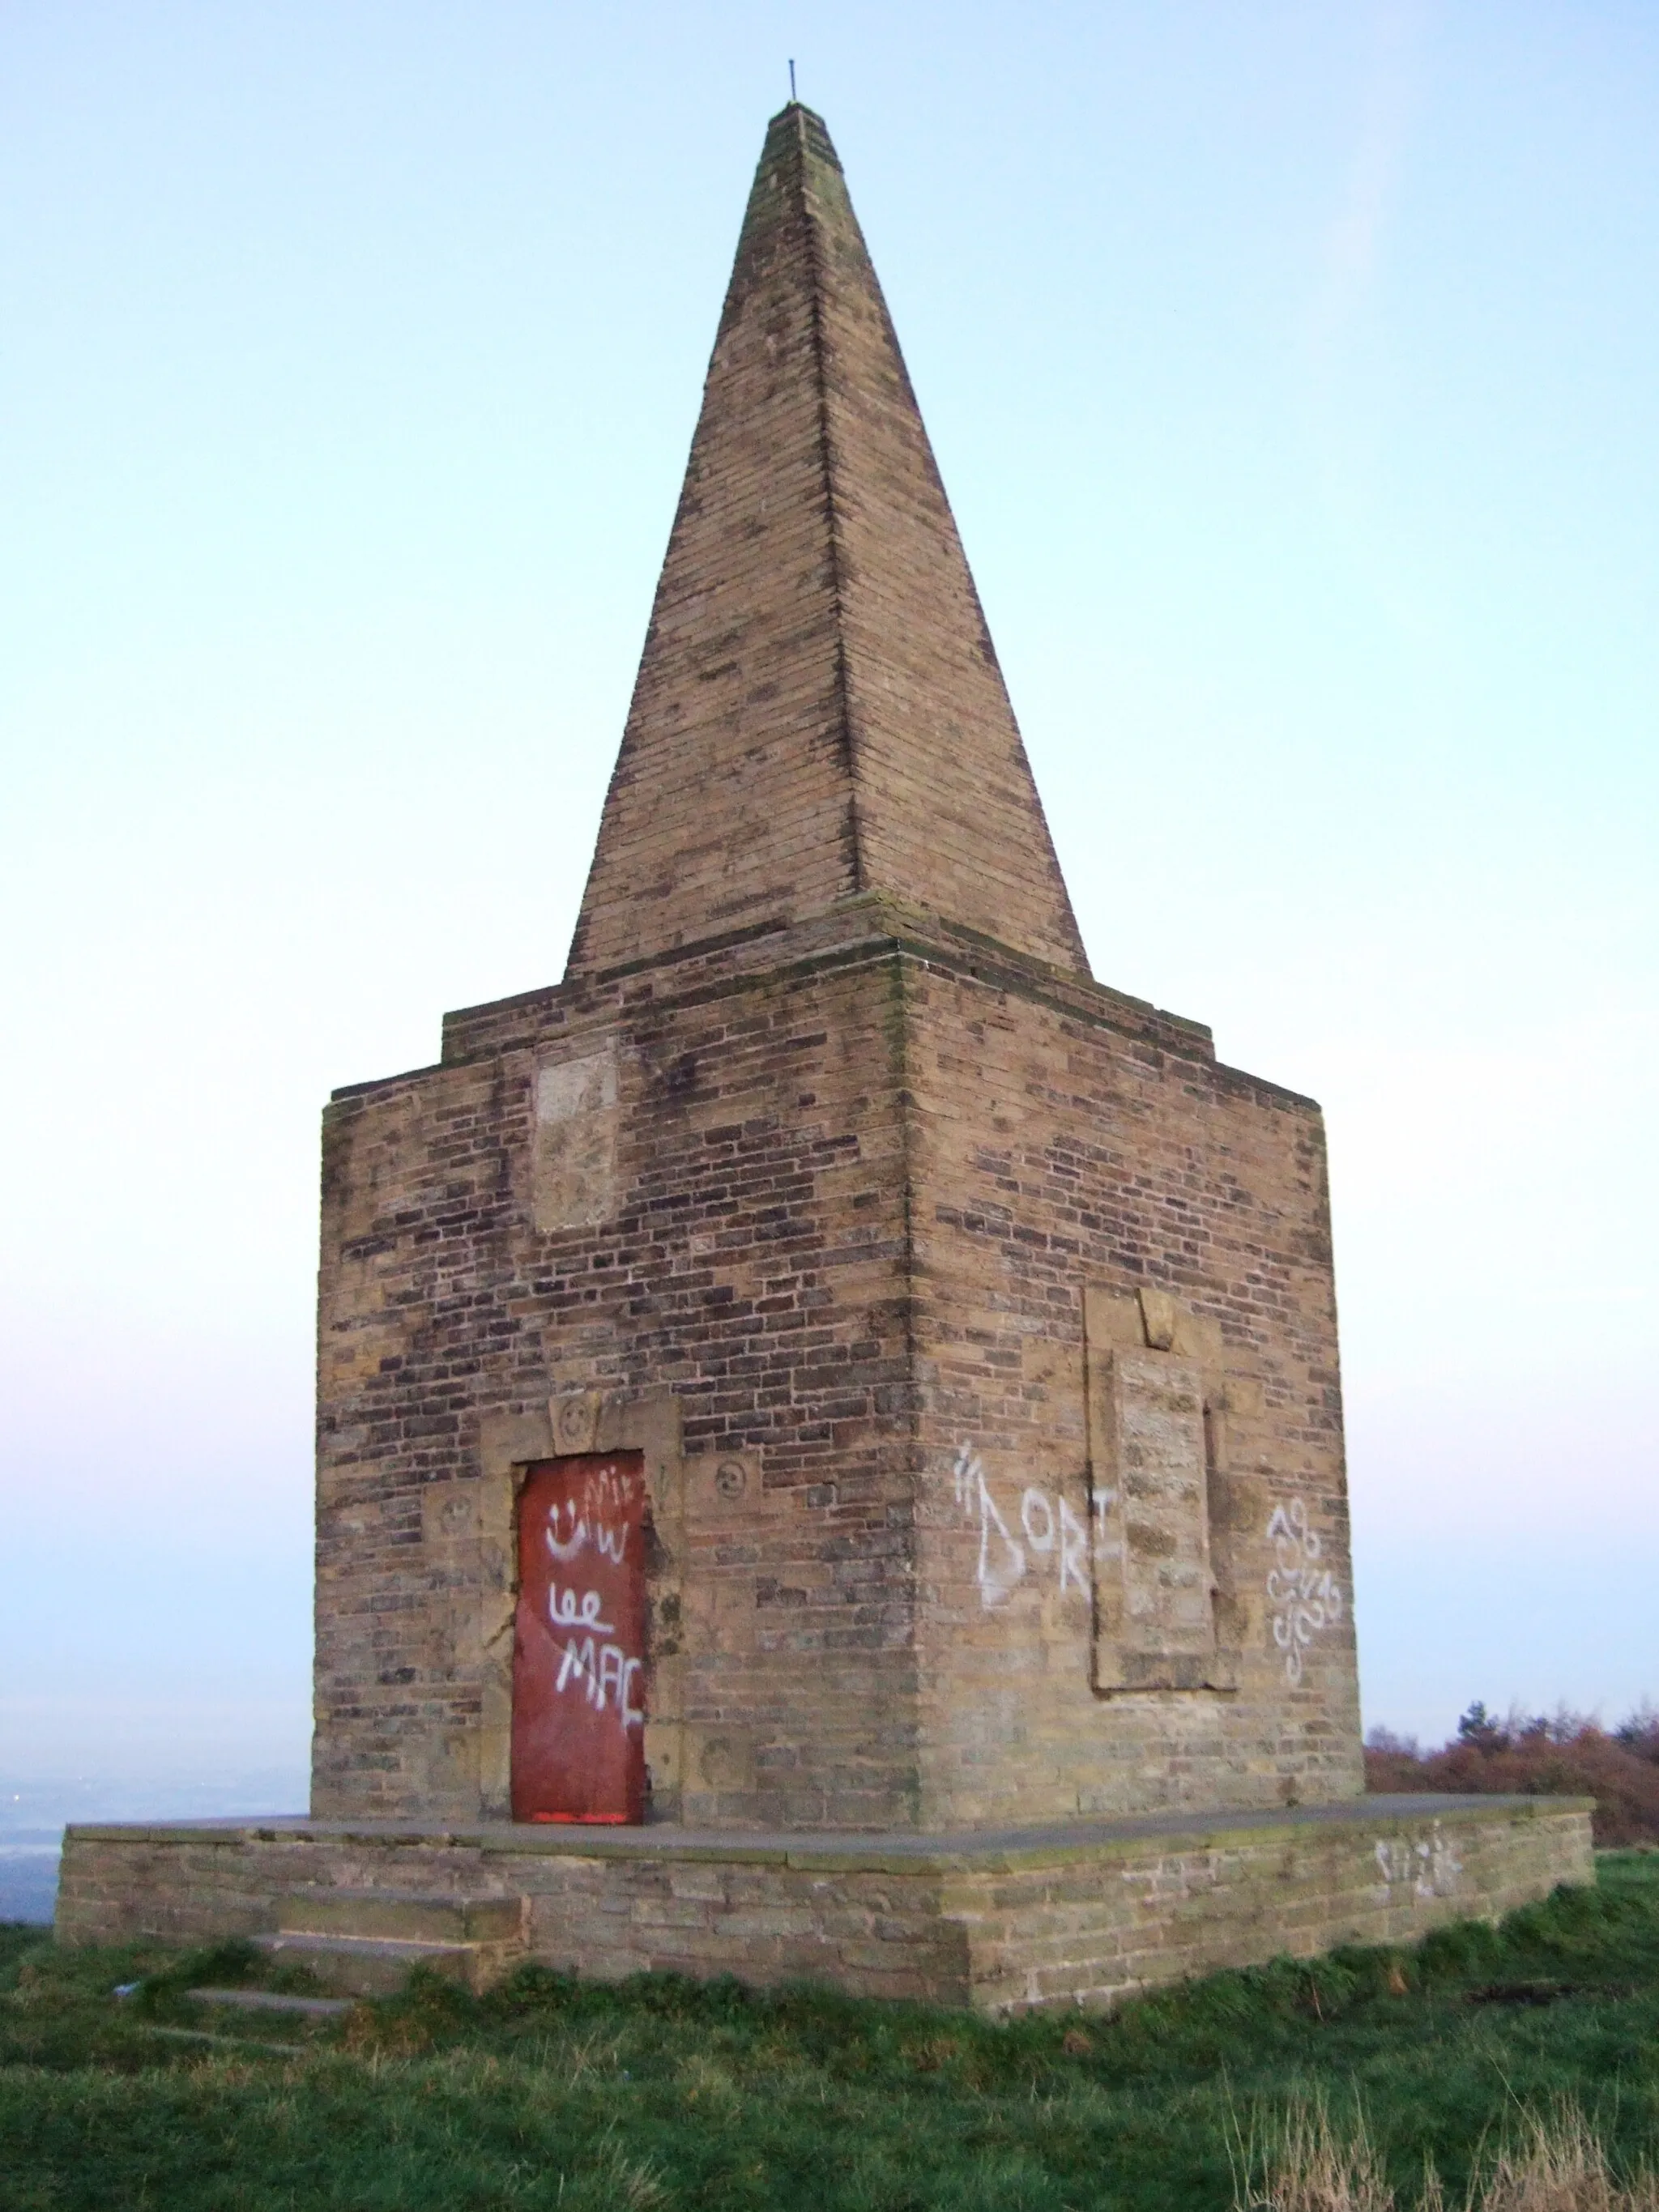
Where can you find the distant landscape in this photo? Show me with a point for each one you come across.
(33, 1815)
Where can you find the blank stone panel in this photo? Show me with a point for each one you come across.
(573, 1172)
(1154, 1615)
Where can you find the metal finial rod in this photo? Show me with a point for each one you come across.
(792, 84)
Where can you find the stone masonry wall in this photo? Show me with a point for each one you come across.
(1042, 1934)
(1066, 1921)
(1053, 1153)
(748, 1257)
(846, 1211)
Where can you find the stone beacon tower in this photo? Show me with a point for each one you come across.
(830, 1440)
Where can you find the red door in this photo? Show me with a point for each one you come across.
(579, 1645)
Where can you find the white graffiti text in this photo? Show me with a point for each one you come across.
(1051, 1531)
(1306, 1595)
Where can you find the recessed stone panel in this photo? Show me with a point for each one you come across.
(574, 1149)
(1154, 1616)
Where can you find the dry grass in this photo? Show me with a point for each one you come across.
(1559, 2166)
(1303, 2160)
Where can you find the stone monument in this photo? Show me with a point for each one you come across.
(829, 1434)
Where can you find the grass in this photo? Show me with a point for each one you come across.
(666, 2093)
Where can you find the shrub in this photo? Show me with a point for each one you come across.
(1569, 1756)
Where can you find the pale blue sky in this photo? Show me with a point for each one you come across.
(1294, 371)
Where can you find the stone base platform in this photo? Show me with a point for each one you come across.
(1005, 1920)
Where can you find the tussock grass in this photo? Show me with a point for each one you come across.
(667, 2093)
(1299, 2159)
(1558, 2163)
(1302, 2160)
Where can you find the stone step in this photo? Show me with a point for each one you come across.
(400, 1915)
(203, 2038)
(272, 2000)
(378, 1965)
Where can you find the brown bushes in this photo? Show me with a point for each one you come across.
(1567, 1757)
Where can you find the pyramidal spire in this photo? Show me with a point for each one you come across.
(818, 714)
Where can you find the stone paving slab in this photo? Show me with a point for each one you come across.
(272, 2000)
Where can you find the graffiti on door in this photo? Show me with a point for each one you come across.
(578, 1649)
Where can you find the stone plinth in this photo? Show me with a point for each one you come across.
(1085, 1913)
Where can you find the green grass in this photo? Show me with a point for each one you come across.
(664, 2092)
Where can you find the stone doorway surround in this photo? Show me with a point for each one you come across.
(470, 1524)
